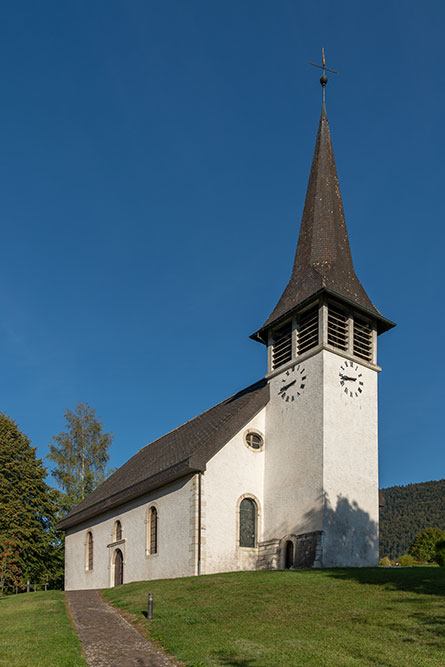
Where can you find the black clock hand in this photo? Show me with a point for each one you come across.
(345, 377)
(286, 386)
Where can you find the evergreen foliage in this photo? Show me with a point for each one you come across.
(408, 511)
(28, 507)
(439, 556)
(80, 454)
(423, 549)
(10, 570)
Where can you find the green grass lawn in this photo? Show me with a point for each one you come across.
(301, 617)
(35, 630)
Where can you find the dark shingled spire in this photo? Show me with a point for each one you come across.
(323, 259)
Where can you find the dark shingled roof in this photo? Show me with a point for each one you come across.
(181, 452)
(323, 258)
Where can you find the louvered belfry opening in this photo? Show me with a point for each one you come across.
(307, 330)
(282, 345)
(337, 328)
(362, 339)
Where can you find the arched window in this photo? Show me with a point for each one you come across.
(247, 522)
(153, 531)
(117, 531)
(89, 550)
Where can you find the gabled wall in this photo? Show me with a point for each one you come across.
(234, 472)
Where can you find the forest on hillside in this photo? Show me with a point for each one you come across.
(408, 510)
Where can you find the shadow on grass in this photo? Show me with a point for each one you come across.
(227, 658)
(351, 536)
(423, 581)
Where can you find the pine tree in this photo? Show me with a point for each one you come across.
(28, 506)
(80, 454)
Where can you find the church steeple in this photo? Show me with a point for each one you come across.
(323, 260)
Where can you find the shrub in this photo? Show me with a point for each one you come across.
(406, 560)
(440, 553)
(385, 562)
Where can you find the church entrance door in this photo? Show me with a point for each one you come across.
(118, 568)
(289, 560)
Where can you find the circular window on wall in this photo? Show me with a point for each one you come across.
(254, 440)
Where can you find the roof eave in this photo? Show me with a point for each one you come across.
(183, 469)
(383, 324)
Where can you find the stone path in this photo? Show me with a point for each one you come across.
(108, 640)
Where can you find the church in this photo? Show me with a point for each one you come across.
(282, 474)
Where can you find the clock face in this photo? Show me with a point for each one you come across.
(351, 379)
(292, 384)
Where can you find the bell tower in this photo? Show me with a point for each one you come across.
(321, 452)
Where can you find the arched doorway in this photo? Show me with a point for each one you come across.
(118, 568)
(289, 556)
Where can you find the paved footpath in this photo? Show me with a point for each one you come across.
(108, 640)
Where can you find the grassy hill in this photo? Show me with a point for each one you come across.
(303, 617)
(35, 631)
(409, 510)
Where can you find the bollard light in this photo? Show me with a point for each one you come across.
(150, 606)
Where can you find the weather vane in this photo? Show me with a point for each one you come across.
(323, 78)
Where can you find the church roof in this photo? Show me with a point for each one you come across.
(183, 451)
(323, 260)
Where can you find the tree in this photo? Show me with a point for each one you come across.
(29, 508)
(424, 546)
(440, 553)
(80, 454)
(10, 570)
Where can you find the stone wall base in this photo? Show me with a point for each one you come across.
(307, 550)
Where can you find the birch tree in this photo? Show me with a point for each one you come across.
(80, 454)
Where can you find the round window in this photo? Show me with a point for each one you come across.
(254, 440)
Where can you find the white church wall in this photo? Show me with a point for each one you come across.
(350, 468)
(236, 471)
(293, 456)
(175, 553)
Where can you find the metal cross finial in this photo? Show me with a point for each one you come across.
(323, 78)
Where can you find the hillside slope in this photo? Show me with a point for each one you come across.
(407, 511)
(291, 618)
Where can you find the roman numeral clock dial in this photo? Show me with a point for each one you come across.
(351, 379)
(292, 384)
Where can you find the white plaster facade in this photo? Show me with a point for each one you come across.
(234, 473)
(174, 558)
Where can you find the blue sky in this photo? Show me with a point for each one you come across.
(153, 167)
